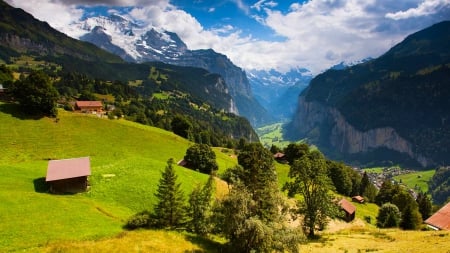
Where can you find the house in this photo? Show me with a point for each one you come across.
(68, 175)
(182, 163)
(89, 106)
(441, 219)
(358, 199)
(280, 157)
(348, 208)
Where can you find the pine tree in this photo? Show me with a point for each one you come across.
(425, 206)
(200, 205)
(169, 211)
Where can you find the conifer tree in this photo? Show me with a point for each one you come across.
(169, 212)
(425, 205)
(200, 205)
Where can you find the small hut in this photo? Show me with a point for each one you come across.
(358, 199)
(348, 208)
(68, 175)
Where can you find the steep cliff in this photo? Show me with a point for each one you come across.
(390, 109)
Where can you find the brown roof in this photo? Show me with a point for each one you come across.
(278, 155)
(441, 219)
(347, 206)
(81, 104)
(358, 198)
(68, 168)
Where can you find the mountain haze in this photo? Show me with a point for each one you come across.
(390, 109)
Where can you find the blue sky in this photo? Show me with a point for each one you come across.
(265, 34)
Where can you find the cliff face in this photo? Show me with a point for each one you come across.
(313, 118)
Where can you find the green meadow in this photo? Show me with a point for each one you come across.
(417, 180)
(126, 163)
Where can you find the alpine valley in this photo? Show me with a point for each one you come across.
(391, 109)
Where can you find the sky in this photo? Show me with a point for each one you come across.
(265, 34)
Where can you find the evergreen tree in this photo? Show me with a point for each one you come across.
(340, 177)
(388, 216)
(169, 210)
(411, 218)
(425, 205)
(386, 193)
(310, 180)
(200, 204)
(295, 151)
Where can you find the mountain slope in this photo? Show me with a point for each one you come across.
(391, 109)
(82, 68)
(22, 33)
(137, 43)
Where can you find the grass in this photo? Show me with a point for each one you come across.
(357, 239)
(377, 170)
(126, 161)
(272, 135)
(416, 180)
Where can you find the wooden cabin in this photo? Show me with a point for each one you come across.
(68, 175)
(89, 106)
(441, 219)
(348, 208)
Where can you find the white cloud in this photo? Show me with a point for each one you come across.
(315, 34)
(427, 7)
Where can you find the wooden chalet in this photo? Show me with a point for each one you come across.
(348, 208)
(280, 157)
(89, 106)
(441, 219)
(358, 199)
(68, 175)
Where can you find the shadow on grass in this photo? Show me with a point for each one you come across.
(40, 185)
(206, 244)
(16, 111)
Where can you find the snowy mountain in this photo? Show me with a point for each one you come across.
(135, 42)
(278, 92)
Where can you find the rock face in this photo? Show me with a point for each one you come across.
(343, 137)
(392, 109)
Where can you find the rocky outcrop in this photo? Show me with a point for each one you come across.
(343, 137)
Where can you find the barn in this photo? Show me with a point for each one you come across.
(68, 175)
(441, 219)
(348, 208)
(89, 106)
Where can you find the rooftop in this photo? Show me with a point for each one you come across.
(441, 219)
(347, 206)
(68, 168)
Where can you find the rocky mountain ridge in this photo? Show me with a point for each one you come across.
(393, 109)
(137, 43)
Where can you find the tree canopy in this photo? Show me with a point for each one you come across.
(310, 180)
(202, 158)
(36, 94)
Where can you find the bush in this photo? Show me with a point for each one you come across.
(139, 220)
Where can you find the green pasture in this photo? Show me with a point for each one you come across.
(126, 162)
(417, 180)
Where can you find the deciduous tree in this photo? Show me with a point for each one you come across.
(310, 180)
(202, 158)
(388, 216)
(36, 94)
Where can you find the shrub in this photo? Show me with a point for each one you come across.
(139, 220)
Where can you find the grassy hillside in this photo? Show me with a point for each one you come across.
(417, 180)
(126, 160)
